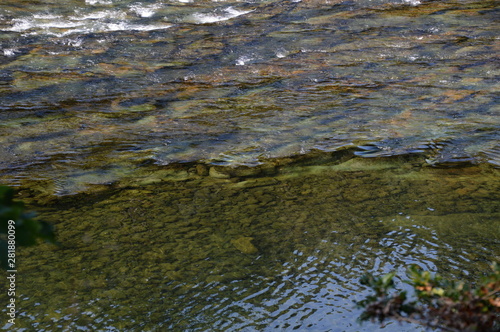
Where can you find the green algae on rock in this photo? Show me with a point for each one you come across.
(245, 245)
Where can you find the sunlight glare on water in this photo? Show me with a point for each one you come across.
(283, 252)
(127, 83)
(237, 166)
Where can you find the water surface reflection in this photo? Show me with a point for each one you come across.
(106, 87)
(256, 254)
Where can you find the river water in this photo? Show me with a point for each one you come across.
(237, 166)
(92, 90)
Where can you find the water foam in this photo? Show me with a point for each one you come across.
(93, 22)
(228, 14)
(144, 11)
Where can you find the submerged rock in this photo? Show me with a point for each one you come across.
(202, 170)
(245, 245)
(218, 173)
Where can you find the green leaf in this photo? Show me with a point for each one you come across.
(27, 229)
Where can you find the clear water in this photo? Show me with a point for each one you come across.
(237, 166)
(105, 87)
(282, 252)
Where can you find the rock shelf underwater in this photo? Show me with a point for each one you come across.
(91, 91)
(237, 166)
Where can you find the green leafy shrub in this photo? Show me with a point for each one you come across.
(437, 303)
(27, 229)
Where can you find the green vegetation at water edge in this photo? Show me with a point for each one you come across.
(438, 303)
(18, 227)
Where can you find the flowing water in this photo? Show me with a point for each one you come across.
(277, 252)
(92, 90)
(237, 166)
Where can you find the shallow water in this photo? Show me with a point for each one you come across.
(237, 166)
(281, 252)
(102, 88)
